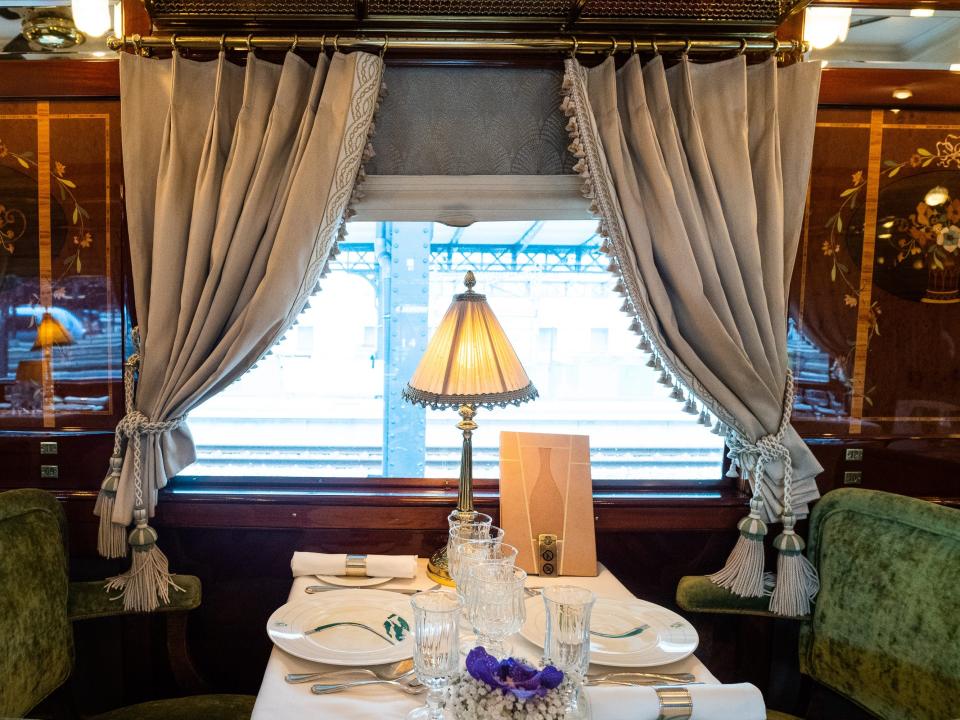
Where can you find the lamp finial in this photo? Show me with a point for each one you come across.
(469, 280)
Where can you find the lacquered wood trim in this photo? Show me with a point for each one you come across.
(873, 88)
(52, 79)
(425, 511)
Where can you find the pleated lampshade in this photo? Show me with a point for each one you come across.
(51, 332)
(469, 360)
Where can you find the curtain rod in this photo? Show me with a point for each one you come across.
(385, 43)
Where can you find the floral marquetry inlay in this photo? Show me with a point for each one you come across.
(875, 302)
(60, 264)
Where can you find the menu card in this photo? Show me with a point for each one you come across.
(546, 489)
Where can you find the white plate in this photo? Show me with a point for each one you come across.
(290, 624)
(348, 581)
(667, 639)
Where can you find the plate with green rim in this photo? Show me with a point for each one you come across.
(624, 633)
(356, 627)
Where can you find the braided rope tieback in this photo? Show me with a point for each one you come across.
(743, 574)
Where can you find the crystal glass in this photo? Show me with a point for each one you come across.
(436, 652)
(466, 533)
(567, 642)
(457, 517)
(478, 552)
(495, 604)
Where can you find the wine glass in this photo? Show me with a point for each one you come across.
(567, 642)
(495, 604)
(436, 650)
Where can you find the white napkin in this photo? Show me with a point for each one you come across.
(393, 566)
(710, 702)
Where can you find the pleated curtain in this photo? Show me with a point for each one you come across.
(237, 183)
(698, 173)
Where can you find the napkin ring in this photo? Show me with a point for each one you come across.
(356, 566)
(675, 703)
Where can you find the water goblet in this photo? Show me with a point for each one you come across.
(496, 606)
(466, 533)
(458, 517)
(436, 651)
(567, 642)
(479, 552)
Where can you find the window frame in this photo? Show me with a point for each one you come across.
(443, 199)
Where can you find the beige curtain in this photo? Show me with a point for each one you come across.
(237, 183)
(698, 174)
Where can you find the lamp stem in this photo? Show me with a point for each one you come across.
(467, 425)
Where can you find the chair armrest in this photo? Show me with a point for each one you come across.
(91, 600)
(697, 593)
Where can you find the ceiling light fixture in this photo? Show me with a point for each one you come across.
(903, 93)
(824, 26)
(922, 12)
(92, 17)
(46, 32)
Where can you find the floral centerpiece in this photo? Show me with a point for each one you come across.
(510, 689)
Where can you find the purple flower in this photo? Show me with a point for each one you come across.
(511, 675)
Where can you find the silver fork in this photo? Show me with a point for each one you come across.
(414, 688)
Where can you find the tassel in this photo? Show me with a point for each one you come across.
(111, 537)
(797, 581)
(652, 362)
(146, 585)
(657, 365)
(691, 407)
(620, 288)
(743, 573)
(635, 326)
(644, 345)
(718, 428)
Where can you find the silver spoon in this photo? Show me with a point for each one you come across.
(410, 689)
(394, 671)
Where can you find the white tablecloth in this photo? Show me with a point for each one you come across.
(279, 700)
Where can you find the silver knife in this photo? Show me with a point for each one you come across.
(403, 591)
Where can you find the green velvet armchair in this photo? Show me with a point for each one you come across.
(38, 604)
(885, 627)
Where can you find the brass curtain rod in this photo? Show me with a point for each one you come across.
(385, 43)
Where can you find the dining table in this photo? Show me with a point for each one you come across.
(279, 700)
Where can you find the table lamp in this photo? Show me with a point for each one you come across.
(468, 363)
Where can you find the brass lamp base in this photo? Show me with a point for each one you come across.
(438, 568)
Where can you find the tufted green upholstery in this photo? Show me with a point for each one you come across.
(885, 629)
(37, 604)
(36, 641)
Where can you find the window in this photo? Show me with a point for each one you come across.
(326, 402)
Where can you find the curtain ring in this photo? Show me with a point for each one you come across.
(136, 43)
(223, 42)
(687, 44)
(576, 47)
(613, 46)
(250, 43)
(173, 42)
(743, 46)
(323, 43)
(633, 46)
(336, 43)
(296, 41)
(386, 41)
(656, 48)
(776, 46)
